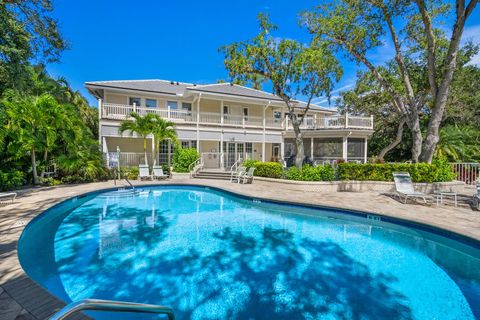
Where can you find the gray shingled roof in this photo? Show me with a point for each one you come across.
(179, 88)
(233, 89)
(157, 86)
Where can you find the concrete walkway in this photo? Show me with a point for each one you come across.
(22, 298)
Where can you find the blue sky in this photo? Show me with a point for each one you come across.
(176, 40)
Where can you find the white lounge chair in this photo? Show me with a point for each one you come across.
(7, 197)
(247, 176)
(158, 173)
(404, 188)
(476, 197)
(235, 177)
(144, 172)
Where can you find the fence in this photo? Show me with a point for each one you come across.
(467, 172)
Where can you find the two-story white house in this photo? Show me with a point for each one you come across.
(224, 122)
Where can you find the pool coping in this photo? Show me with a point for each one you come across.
(34, 309)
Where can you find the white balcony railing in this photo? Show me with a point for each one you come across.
(334, 122)
(122, 112)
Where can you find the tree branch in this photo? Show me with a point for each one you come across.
(398, 53)
(386, 86)
(427, 21)
(394, 143)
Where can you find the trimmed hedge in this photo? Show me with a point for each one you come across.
(309, 173)
(438, 171)
(265, 169)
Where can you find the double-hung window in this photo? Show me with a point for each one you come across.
(186, 106)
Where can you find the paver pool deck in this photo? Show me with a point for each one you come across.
(22, 298)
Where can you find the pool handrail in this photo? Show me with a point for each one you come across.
(110, 305)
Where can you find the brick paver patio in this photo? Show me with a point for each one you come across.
(22, 298)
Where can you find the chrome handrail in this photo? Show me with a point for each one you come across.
(109, 305)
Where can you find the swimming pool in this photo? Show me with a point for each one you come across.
(212, 255)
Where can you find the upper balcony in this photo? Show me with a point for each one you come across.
(121, 112)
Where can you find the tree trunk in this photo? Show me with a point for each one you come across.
(34, 167)
(394, 143)
(298, 141)
(145, 150)
(45, 157)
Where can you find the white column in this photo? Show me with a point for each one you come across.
(221, 150)
(282, 148)
(311, 148)
(264, 133)
(365, 151)
(100, 114)
(221, 112)
(198, 122)
(345, 148)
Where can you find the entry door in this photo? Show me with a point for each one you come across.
(231, 146)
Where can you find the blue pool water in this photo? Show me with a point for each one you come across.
(212, 255)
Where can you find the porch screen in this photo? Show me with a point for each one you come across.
(327, 148)
(355, 148)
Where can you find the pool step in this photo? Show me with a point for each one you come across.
(210, 174)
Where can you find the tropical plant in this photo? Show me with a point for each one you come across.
(33, 123)
(292, 67)
(183, 158)
(459, 144)
(141, 125)
(162, 130)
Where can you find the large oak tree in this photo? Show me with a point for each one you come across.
(356, 27)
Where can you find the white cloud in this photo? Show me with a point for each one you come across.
(472, 33)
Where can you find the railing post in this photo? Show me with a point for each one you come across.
(346, 120)
(371, 122)
(168, 112)
(134, 107)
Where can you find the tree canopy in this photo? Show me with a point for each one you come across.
(354, 28)
(293, 68)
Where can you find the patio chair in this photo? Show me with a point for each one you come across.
(476, 197)
(157, 173)
(247, 176)
(7, 197)
(404, 188)
(237, 174)
(144, 172)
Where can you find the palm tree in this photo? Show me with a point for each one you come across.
(143, 126)
(33, 121)
(459, 143)
(162, 130)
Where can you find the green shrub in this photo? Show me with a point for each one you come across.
(268, 169)
(11, 180)
(264, 169)
(309, 173)
(182, 158)
(438, 171)
(250, 163)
